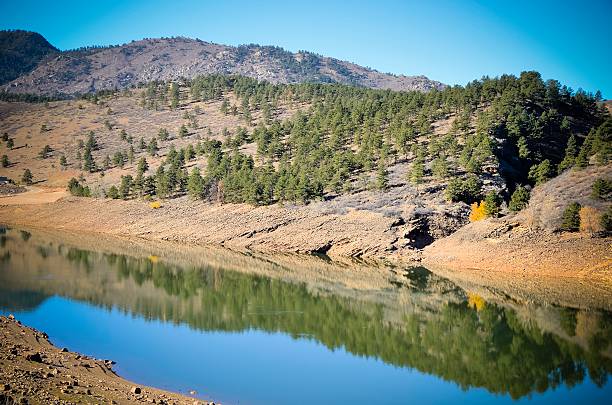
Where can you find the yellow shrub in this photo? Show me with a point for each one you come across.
(475, 301)
(590, 220)
(153, 259)
(155, 204)
(478, 212)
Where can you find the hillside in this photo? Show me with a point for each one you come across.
(21, 52)
(322, 168)
(118, 67)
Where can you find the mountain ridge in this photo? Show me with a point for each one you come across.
(90, 69)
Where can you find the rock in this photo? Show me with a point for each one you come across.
(6, 387)
(64, 350)
(135, 390)
(11, 317)
(193, 392)
(34, 357)
(88, 391)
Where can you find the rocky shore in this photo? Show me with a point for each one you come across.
(34, 371)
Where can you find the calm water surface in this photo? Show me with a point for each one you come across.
(251, 337)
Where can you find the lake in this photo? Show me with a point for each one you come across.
(244, 328)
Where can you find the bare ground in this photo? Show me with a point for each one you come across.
(34, 371)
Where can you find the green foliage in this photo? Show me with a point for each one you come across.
(492, 204)
(183, 132)
(125, 187)
(606, 220)
(195, 184)
(5, 161)
(152, 147)
(439, 167)
(77, 189)
(540, 173)
(163, 134)
(571, 151)
(113, 192)
(27, 177)
(468, 190)
(602, 189)
(519, 199)
(570, 220)
(10, 143)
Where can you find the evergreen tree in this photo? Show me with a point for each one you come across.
(5, 161)
(195, 184)
(492, 204)
(183, 132)
(89, 164)
(162, 187)
(125, 187)
(570, 155)
(570, 220)
(519, 199)
(27, 177)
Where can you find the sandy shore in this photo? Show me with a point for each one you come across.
(33, 371)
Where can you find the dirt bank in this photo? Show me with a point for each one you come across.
(34, 371)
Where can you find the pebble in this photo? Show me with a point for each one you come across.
(135, 390)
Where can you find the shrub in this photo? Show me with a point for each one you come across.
(590, 220)
(113, 193)
(519, 199)
(155, 204)
(571, 218)
(5, 161)
(478, 212)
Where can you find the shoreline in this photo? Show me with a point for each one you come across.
(35, 371)
(497, 255)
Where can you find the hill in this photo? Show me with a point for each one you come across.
(92, 69)
(324, 168)
(21, 52)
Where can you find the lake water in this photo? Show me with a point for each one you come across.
(254, 329)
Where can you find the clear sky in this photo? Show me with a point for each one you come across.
(450, 41)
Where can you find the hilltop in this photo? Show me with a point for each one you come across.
(96, 68)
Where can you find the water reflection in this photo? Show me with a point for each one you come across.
(417, 320)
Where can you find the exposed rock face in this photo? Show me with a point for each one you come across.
(117, 67)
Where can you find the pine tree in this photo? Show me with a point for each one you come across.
(125, 186)
(89, 164)
(195, 184)
(571, 218)
(27, 177)
(162, 187)
(5, 161)
(570, 155)
(492, 204)
(519, 199)
(523, 148)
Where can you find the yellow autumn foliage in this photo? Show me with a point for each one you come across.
(478, 212)
(475, 301)
(153, 259)
(155, 204)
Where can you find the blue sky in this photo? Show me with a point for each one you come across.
(450, 41)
